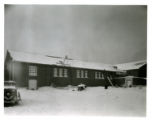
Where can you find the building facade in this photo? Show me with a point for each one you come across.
(27, 69)
(48, 70)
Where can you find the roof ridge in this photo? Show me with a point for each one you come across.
(133, 62)
(58, 57)
(34, 53)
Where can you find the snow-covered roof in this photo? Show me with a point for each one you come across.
(60, 61)
(131, 65)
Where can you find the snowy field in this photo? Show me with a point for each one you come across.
(94, 101)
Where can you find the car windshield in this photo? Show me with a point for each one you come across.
(9, 83)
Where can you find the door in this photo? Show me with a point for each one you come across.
(129, 83)
(32, 84)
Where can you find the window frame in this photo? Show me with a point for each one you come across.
(65, 72)
(60, 72)
(81, 73)
(32, 71)
(99, 75)
(85, 74)
(55, 72)
(78, 74)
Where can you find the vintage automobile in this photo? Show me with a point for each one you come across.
(11, 95)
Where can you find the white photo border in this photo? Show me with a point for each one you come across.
(78, 2)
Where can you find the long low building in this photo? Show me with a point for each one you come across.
(49, 70)
(34, 70)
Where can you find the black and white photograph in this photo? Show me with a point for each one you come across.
(75, 60)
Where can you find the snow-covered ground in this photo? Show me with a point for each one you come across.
(94, 101)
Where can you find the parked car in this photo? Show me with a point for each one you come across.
(11, 94)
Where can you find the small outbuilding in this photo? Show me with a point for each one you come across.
(133, 73)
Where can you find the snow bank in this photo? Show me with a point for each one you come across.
(94, 101)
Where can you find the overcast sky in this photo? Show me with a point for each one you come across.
(106, 34)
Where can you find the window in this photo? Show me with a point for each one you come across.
(96, 75)
(78, 73)
(82, 74)
(55, 72)
(65, 73)
(102, 76)
(86, 74)
(99, 75)
(60, 72)
(32, 71)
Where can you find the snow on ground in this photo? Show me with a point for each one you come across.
(94, 101)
